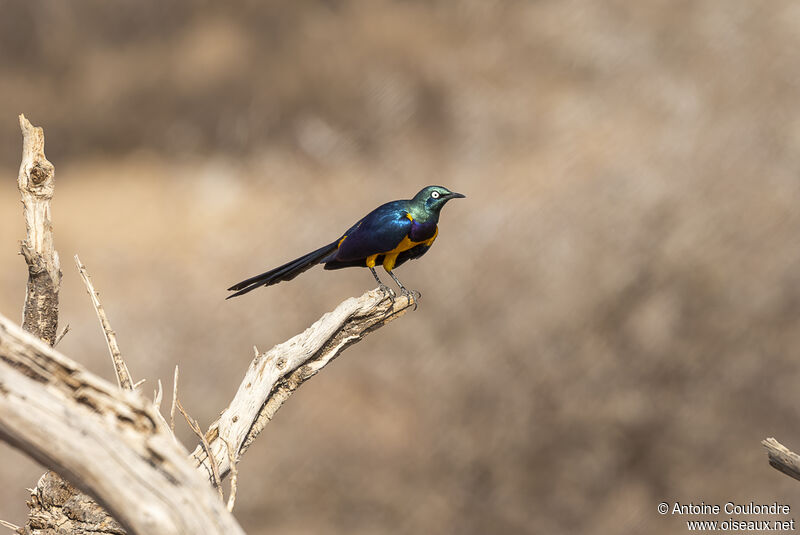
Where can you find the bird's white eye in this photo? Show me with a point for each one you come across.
(435, 194)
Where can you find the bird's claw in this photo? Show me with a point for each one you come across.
(412, 296)
(387, 291)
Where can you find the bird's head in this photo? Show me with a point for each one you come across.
(432, 198)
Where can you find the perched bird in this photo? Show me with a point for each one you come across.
(390, 235)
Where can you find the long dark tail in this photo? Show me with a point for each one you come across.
(286, 272)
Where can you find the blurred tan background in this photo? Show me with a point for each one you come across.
(609, 320)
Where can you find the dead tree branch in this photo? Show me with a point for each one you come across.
(195, 427)
(108, 441)
(50, 410)
(234, 475)
(123, 375)
(782, 458)
(273, 376)
(174, 400)
(9, 525)
(61, 335)
(113, 443)
(36, 183)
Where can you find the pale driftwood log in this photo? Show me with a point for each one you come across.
(274, 375)
(108, 441)
(36, 181)
(782, 458)
(120, 368)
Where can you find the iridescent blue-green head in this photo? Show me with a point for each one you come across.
(430, 200)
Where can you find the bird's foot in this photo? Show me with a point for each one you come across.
(387, 291)
(412, 295)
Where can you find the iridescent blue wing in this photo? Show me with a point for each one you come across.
(378, 232)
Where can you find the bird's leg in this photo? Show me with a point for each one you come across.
(385, 289)
(412, 295)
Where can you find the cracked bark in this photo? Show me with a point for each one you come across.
(36, 181)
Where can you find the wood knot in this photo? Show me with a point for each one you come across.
(39, 174)
(280, 363)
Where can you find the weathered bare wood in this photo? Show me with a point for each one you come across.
(234, 462)
(782, 458)
(78, 514)
(274, 375)
(271, 378)
(61, 335)
(174, 399)
(121, 369)
(157, 395)
(108, 441)
(195, 427)
(36, 181)
(13, 527)
(57, 507)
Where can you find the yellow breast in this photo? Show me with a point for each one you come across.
(391, 256)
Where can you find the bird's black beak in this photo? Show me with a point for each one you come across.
(454, 195)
